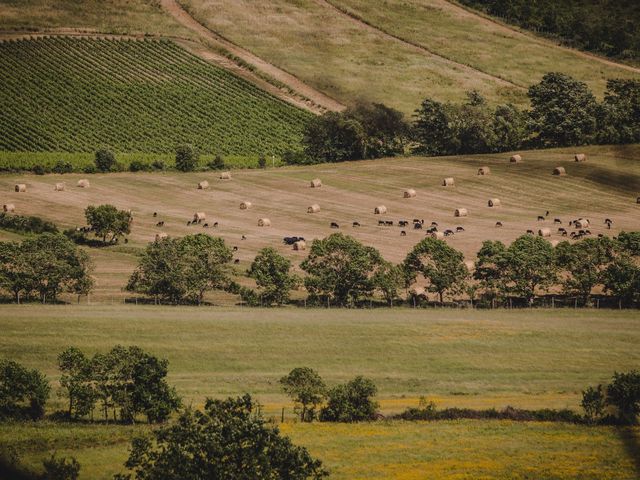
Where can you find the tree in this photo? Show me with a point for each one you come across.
(306, 388)
(108, 221)
(389, 279)
(351, 402)
(488, 267)
(23, 392)
(272, 273)
(60, 469)
(385, 128)
(341, 268)
(563, 111)
(15, 270)
(334, 137)
(510, 128)
(439, 264)
(622, 279)
(432, 129)
(528, 264)
(629, 243)
(227, 441)
(593, 403)
(105, 160)
(187, 158)
(76, 381)
(584, 263)
(217, 163)
(182, 269)
(619, 119)
(623, 393)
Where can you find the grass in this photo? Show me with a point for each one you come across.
(134, 96)
(464, 358)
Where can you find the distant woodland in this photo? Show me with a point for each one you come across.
(607, 27)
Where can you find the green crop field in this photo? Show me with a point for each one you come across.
(76, 95)
(539, 358)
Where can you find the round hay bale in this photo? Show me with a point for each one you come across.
(225, 176)
(461, 212)
(582, 223)
(83, 183)
(515, 158)
(21, 187)
(316, 183)
(409, 193)
(417, 291)
(9, 207)
(580, 157)
(544, 232)
(199, 217)
(203, 185)
(494, 202)
(161, 236)
(300, 245)
(315, 208)
(437, 235)
(380, 210)
(484, 171)
(59, 187)
(245, 205)
(448, 182)
(471, 266)
(264, 222)
(559, 171)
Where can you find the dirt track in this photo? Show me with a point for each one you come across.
(317, 98)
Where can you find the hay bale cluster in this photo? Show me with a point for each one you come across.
(199, 217)
(437, 235)
(225, 176)
(544, 232)
(161, 236)
(409, 193)
(300, 245)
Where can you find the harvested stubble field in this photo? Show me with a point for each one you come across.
(605, 186)
(533, 359)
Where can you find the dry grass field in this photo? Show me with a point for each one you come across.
(479, 359)
(606, 186)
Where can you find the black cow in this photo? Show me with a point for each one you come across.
(459, 229)
(417, 226)
(434, 224)
(244, 237)
(403, 223)
(215, 225)
(155, 214)
(356, 224)
(334, 225)
(236, 261)
(188, 223)
(206, 225)
(381, 223)
(235, 249)
(557, 220)
(498, 224)
(540, 218)
(389, 223)
(160, 224)
(448, 233)
(403, 233)
(529, 232)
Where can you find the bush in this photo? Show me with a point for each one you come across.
(139, 166)
(262, 162)
(62, 167)
(593, 403)
(351, 402)
(26, 224)
(291, 157)
(40, 169)
(90, 169)
(186, 158)
(216, 164)
(105, 160)
(623, 393)
(158, 165)
(430, 413)
(23, 392)
(60, 469)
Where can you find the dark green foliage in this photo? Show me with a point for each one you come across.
(226, 441)
(26, 224)
(187, 157)
(623, 393)
(77, 94)
(217, 163)
(40, 170)
(430, 413)
(608, 27)
(334, 137)
(593, 403)
(61, 469)
(46, 265)
(294, 157)
(139, 166)
(385, 128)
(108, 221)
(341, 269)
(619, 115)
(629, 242)
(182, 270)
(262, 162)
(351, 402)
(307, 389)
(621, 278)
(158, 165)
(563, 111)
(272, 273)
(105, 160)
(90, 169)
(62, 167)
(23, 392)
(438, 264)
(76, 381)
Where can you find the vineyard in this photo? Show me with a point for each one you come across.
(76, 95)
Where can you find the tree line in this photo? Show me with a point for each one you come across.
(563, 112)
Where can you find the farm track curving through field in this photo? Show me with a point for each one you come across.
(316, 97)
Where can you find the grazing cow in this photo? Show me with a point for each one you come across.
(540, 218)
(573, 234)
(562, 230)
(215, 225)
(356, 224)
(334, 225)
(403, 223)
(389, 223)
(582, 232)
(235, 249)
(498, 224)
(403, 233)
(160, 224)
(155, 214)
(417, 226)
(600, 235)
(434, 224)
(459, 229)
(236, 261)
(381, 223)
(608, 222)
(189, 223)
(206, 225)
(416, 220)
(571, 222)
(244, 237)
(587, 232)
(529, 232)
(126, 240)
(432, 230)
(301, 239)
(289, 240)
(448, 232)
(546, 214)
(557, 220)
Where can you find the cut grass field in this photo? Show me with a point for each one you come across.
(479, 359)
(606, 186)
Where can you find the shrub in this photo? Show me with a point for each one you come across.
(139, 166)
(216, 164)
(62, 167)
(623, 393)
(40, 169)
(593, 403)
(23, 392)
(262, 162)
(306, 388)
(26, 224)
(60, 469)
(186, 158)
(105, 160)
(158, 165)
(90, 169)
(351, 402)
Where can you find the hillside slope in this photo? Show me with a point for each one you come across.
(606, 186)
(64, 94)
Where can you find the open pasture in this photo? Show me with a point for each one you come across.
(533, 359)
(605, 186)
